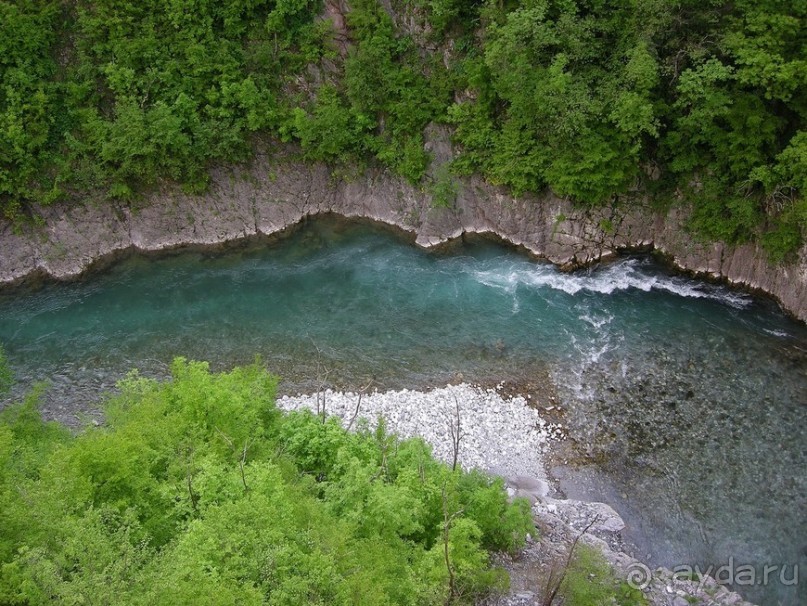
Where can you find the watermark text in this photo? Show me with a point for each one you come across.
(733, 574)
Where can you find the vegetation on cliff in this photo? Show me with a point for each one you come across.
(702, 101)
(199, 491)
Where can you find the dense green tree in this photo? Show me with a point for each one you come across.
(569, 101)
(198, 490)
(29, 102)
(737, 111)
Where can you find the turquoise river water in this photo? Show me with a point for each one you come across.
(686, 401)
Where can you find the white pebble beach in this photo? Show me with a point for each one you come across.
(501, 435)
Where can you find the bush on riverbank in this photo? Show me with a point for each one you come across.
(6, 375)
(590, 580)
(199, 491)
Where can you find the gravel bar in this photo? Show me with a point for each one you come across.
(501, 435)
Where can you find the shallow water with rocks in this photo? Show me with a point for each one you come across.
(684, 402)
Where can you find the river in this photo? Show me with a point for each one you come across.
(684, 401)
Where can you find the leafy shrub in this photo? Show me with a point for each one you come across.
(199, 491)
(6, 375)
(590, 581)
(444, 189)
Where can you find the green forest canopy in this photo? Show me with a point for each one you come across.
(699, 100)
(200, 491)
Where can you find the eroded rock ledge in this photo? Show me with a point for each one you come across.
(272, 195)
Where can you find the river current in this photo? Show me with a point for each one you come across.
(685, 401)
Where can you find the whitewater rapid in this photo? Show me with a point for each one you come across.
(621, 275)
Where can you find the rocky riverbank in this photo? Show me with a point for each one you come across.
(278, 191)
(506, 435)
(560, 522)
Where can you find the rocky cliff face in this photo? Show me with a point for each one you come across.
(272, 195)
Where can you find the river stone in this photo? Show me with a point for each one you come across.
(579, 515)
(527, 487)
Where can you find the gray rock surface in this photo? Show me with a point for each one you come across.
(598, 518)
(529, 570)
(521, 486)
(277, 192)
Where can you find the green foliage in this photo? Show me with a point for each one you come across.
(329, 132)
(590, 581)
(578, 96)
(574, 95)
(199, 491)
(786, 233)
(163, 87)
(737, 122)
(6, 374)
(28, 101)
(562, 103)
(444, 188)
(388, 90)
(120, 95)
